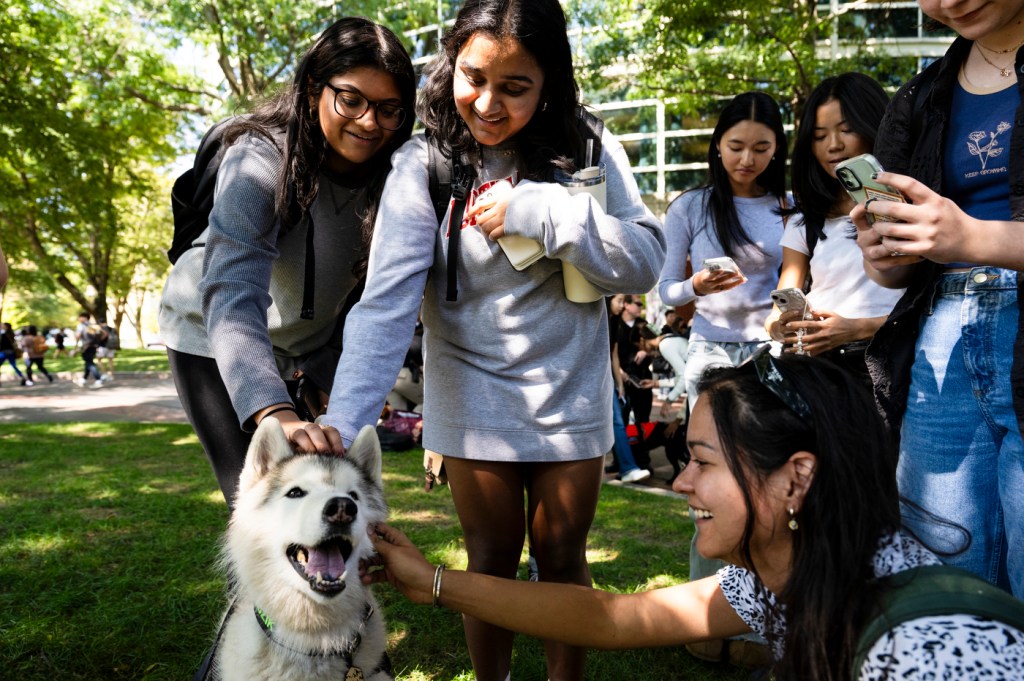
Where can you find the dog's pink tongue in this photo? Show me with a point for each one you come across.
(328, 561)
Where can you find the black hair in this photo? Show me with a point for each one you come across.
(862, 101)
(851, 504)
(551, 137)
(345, 45)
(718, 203)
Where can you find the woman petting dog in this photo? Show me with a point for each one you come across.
(518, 379)
(792, 481)
(261, 302)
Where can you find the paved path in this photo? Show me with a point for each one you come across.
(141, 398)
(151, 397)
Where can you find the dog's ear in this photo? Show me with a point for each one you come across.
(269, 447)
(365, 453)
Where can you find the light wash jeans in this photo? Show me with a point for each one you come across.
(702, 355)
(961, 454)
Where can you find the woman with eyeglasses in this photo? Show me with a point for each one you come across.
(792, 479)
(260, 302)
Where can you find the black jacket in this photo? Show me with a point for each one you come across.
(910, 142)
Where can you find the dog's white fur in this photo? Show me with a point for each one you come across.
(282, 501)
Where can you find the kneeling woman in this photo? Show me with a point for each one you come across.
(791, 481)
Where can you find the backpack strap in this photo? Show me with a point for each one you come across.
(449, 185)
(935, 590)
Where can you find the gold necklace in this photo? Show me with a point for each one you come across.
(1004, 71)
(1006, 51)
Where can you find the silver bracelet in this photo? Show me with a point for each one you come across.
(436, 593)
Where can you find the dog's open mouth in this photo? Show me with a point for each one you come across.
(323, 565)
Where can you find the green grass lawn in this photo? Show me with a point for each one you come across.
(109, 535)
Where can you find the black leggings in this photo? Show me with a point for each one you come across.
(208, 406)
(38, 361)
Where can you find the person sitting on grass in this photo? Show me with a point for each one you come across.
(792, 481)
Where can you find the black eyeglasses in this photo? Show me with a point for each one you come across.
(353, 105)
(770, 377)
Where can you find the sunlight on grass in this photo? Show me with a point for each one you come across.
(602, 555)
(188, 440)
(38, 545)
(103, 495)
(419, 516)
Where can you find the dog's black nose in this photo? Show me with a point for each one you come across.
(340, 511)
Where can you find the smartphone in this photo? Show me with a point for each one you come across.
(855, 176)
(723, 263)
(633, 381)
(787, 299)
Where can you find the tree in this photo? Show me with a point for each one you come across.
(700, 51)
(75, 143)
(258, 43)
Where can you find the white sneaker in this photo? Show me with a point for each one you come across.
(80, 382)
(636, 475)
(27, 382)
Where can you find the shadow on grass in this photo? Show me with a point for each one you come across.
(110, 532)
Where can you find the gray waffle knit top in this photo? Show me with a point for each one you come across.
(237, 295)
(513, 371)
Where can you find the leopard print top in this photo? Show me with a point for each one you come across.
(964, 647)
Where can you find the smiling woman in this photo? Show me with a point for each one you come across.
(517, 395)
(260, 302)
(792, 481)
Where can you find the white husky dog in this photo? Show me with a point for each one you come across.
(293, 548)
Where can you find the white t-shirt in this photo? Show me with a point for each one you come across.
(839, 283)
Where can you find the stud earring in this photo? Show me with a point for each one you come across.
(793, 524)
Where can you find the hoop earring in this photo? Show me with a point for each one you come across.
(793, 524)
(544, 106)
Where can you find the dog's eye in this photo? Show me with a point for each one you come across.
(354, 495)
(296, 493)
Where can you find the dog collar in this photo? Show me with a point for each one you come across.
(346, 652)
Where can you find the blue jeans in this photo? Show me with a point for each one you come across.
(961, 454)
(621, 450)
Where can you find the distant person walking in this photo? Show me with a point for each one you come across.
(9, 352)
(90, 337)
(34, 347)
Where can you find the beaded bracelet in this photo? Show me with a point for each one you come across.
(273, 411)
(436, 593)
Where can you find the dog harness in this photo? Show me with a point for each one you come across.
(345, 652)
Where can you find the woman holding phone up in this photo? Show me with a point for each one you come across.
(947, 365)
(846, 307)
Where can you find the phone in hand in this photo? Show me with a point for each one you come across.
(787, 299)
(633, 381)
(855, 174)
(724, 263)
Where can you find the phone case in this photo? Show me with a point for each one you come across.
(855, 176)
(724, 263)
(791, 299)
(521, 252)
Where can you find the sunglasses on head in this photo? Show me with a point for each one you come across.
(769, 376)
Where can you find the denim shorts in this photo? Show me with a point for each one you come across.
(961, 454)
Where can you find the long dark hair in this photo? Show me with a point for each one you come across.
(862, 101)
(851, 504)
(347, 44)
(551, 137)
(718, 203)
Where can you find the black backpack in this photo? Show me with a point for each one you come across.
(450, 184)
(192, 195)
